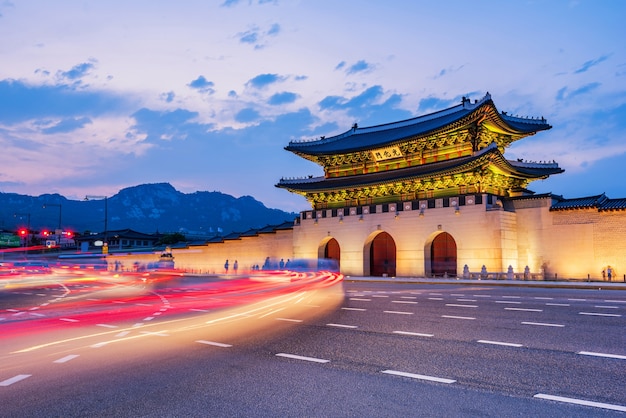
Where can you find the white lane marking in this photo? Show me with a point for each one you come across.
(606, 307)
(543, 324)
(341, 326)
(122, 334)
(106, 325)
(615, 301)
(157, 333)
(511, 297)
(404, 301)
(509, 301)
(419, 376)
(68, 319)
(408, 297)
(361, 299)
(380, 296)
(577, 300)
(457, 305)
(457, 294)
(598, 314)
(543, 298)
(199, 310)
(14, 379)
(66, 358)
(216, 344)
(289, 320)
(581, 402)
(415, 334)
(456, 317)
(591, 353)
(523, 309)
(482, 296)
(148, 318)
(354, 309)
(500, 343)
(296, 357)
(399, 312)
(557, 304)
(435, 298)
(466, 300)
(98, 345)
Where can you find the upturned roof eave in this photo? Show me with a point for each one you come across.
(490, 155)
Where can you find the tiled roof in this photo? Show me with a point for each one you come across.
(613, 204)
(360, 139)
(580, 203)
(456, 165)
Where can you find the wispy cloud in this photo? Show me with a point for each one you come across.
(591, 63)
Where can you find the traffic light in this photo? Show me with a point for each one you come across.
(22, 232)
(45, 233)
(69, 234)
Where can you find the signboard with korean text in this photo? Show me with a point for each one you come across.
(388, 153)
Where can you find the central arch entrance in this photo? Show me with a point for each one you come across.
(383, 256)
(443, 256)
(332, 250)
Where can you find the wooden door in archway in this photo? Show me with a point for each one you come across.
(383, 256)
(443, 256)
(332, 250)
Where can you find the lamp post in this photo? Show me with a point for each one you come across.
(106, 213)
(59, 231)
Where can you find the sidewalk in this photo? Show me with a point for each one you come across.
(566, 284)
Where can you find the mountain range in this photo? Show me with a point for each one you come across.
(146, 208)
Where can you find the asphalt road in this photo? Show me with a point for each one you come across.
(363, 349)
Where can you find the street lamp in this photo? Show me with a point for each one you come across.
(59, 230)
(106, 213)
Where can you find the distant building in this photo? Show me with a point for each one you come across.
(118, 240)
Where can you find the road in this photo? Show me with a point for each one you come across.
(361, 349)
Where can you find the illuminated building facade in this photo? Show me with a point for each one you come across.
(432, 196)
(435, 196)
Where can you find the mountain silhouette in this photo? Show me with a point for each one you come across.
(147, 208)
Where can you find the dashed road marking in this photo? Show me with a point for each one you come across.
(457, 317)
(458, 305)
(523, 309)
(598, 314)
(216, 344)
(289, 320)
(415, 334)
(296, 357)
(500, 343)
(341, 326)
(14, 379)
(419, 376)
(591, 353)
(399, 312)
(543, 324)
(581, 402)
(66, 358)
(354, 309)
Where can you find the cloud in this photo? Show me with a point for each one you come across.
(360, 66)
(430, 104)
(264, 80)
(167, 125)
(591, 63)
(565, 94)
(168, 97)
(282, 98)
(20, 102)
(76, 72)
(202, 85)
(367, 107)
(257, 37)
(67, 125)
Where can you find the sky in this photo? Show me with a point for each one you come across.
(97, 96)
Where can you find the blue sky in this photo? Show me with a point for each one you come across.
(96, 96)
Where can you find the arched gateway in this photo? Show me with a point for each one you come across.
(383, 256)
(332, 250)
(443, 256)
